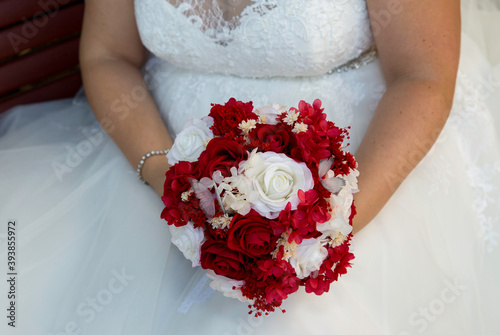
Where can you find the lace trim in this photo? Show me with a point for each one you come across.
(366, 57)
(268, 38)
(218, 19)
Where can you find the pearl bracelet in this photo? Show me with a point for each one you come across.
(143, 159)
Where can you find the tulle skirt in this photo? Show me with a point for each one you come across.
(93, 256)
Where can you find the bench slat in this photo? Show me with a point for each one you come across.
(62, 88)
(36, 67)
(13, 11)
(21, 37)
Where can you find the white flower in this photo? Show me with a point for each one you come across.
(225, 285)
(262, 119)
(308, 257)
(268, 114)
(276, 179)
(236, 202)
(288, 247)
(221, 222)
(247, 126)
(299, 127)
(236, 193)
(191, 141)
(332, 183)
(338, 224)
(186, 195)
(352, 181)
(291, 117)
(341, 206)
(189, 240)
(338, 239)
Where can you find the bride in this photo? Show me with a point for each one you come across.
(93, 256)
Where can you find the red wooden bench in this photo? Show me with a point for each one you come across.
(39, 50)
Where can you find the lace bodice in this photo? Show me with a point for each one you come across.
(255, 38)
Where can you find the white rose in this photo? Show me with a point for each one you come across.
(225, 285)
(191, 141)
(270, 112)
(276, 180)
(308, 257)
(189, 240)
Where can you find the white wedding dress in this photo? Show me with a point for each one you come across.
(93, 256)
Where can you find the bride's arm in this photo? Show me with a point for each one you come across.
(111, 56)
(419, 47)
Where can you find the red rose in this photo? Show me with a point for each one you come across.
(177, 177)
(272, 138)
(251, 234)
(217, 256)
(177, 182)
(221, 154)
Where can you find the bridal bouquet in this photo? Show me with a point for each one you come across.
(263, 199)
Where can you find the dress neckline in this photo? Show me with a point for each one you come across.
(221, 31)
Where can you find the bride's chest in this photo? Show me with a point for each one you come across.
(262, 38)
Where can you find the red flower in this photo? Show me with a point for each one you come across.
(353, 213)
(221, 154)
(228, 117)
(177, 182)
(191, 211)
(177, 177)
(318, 285)
(311, 148)
(341, 257)
(335, 265)
(284, 220)
(269, 284)
(251, 235)
(311, 114)
(269, 137)
(217, 256)
(275, 267)
(303, 220)
(244, 250)
(275, 293)
(344, 164)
